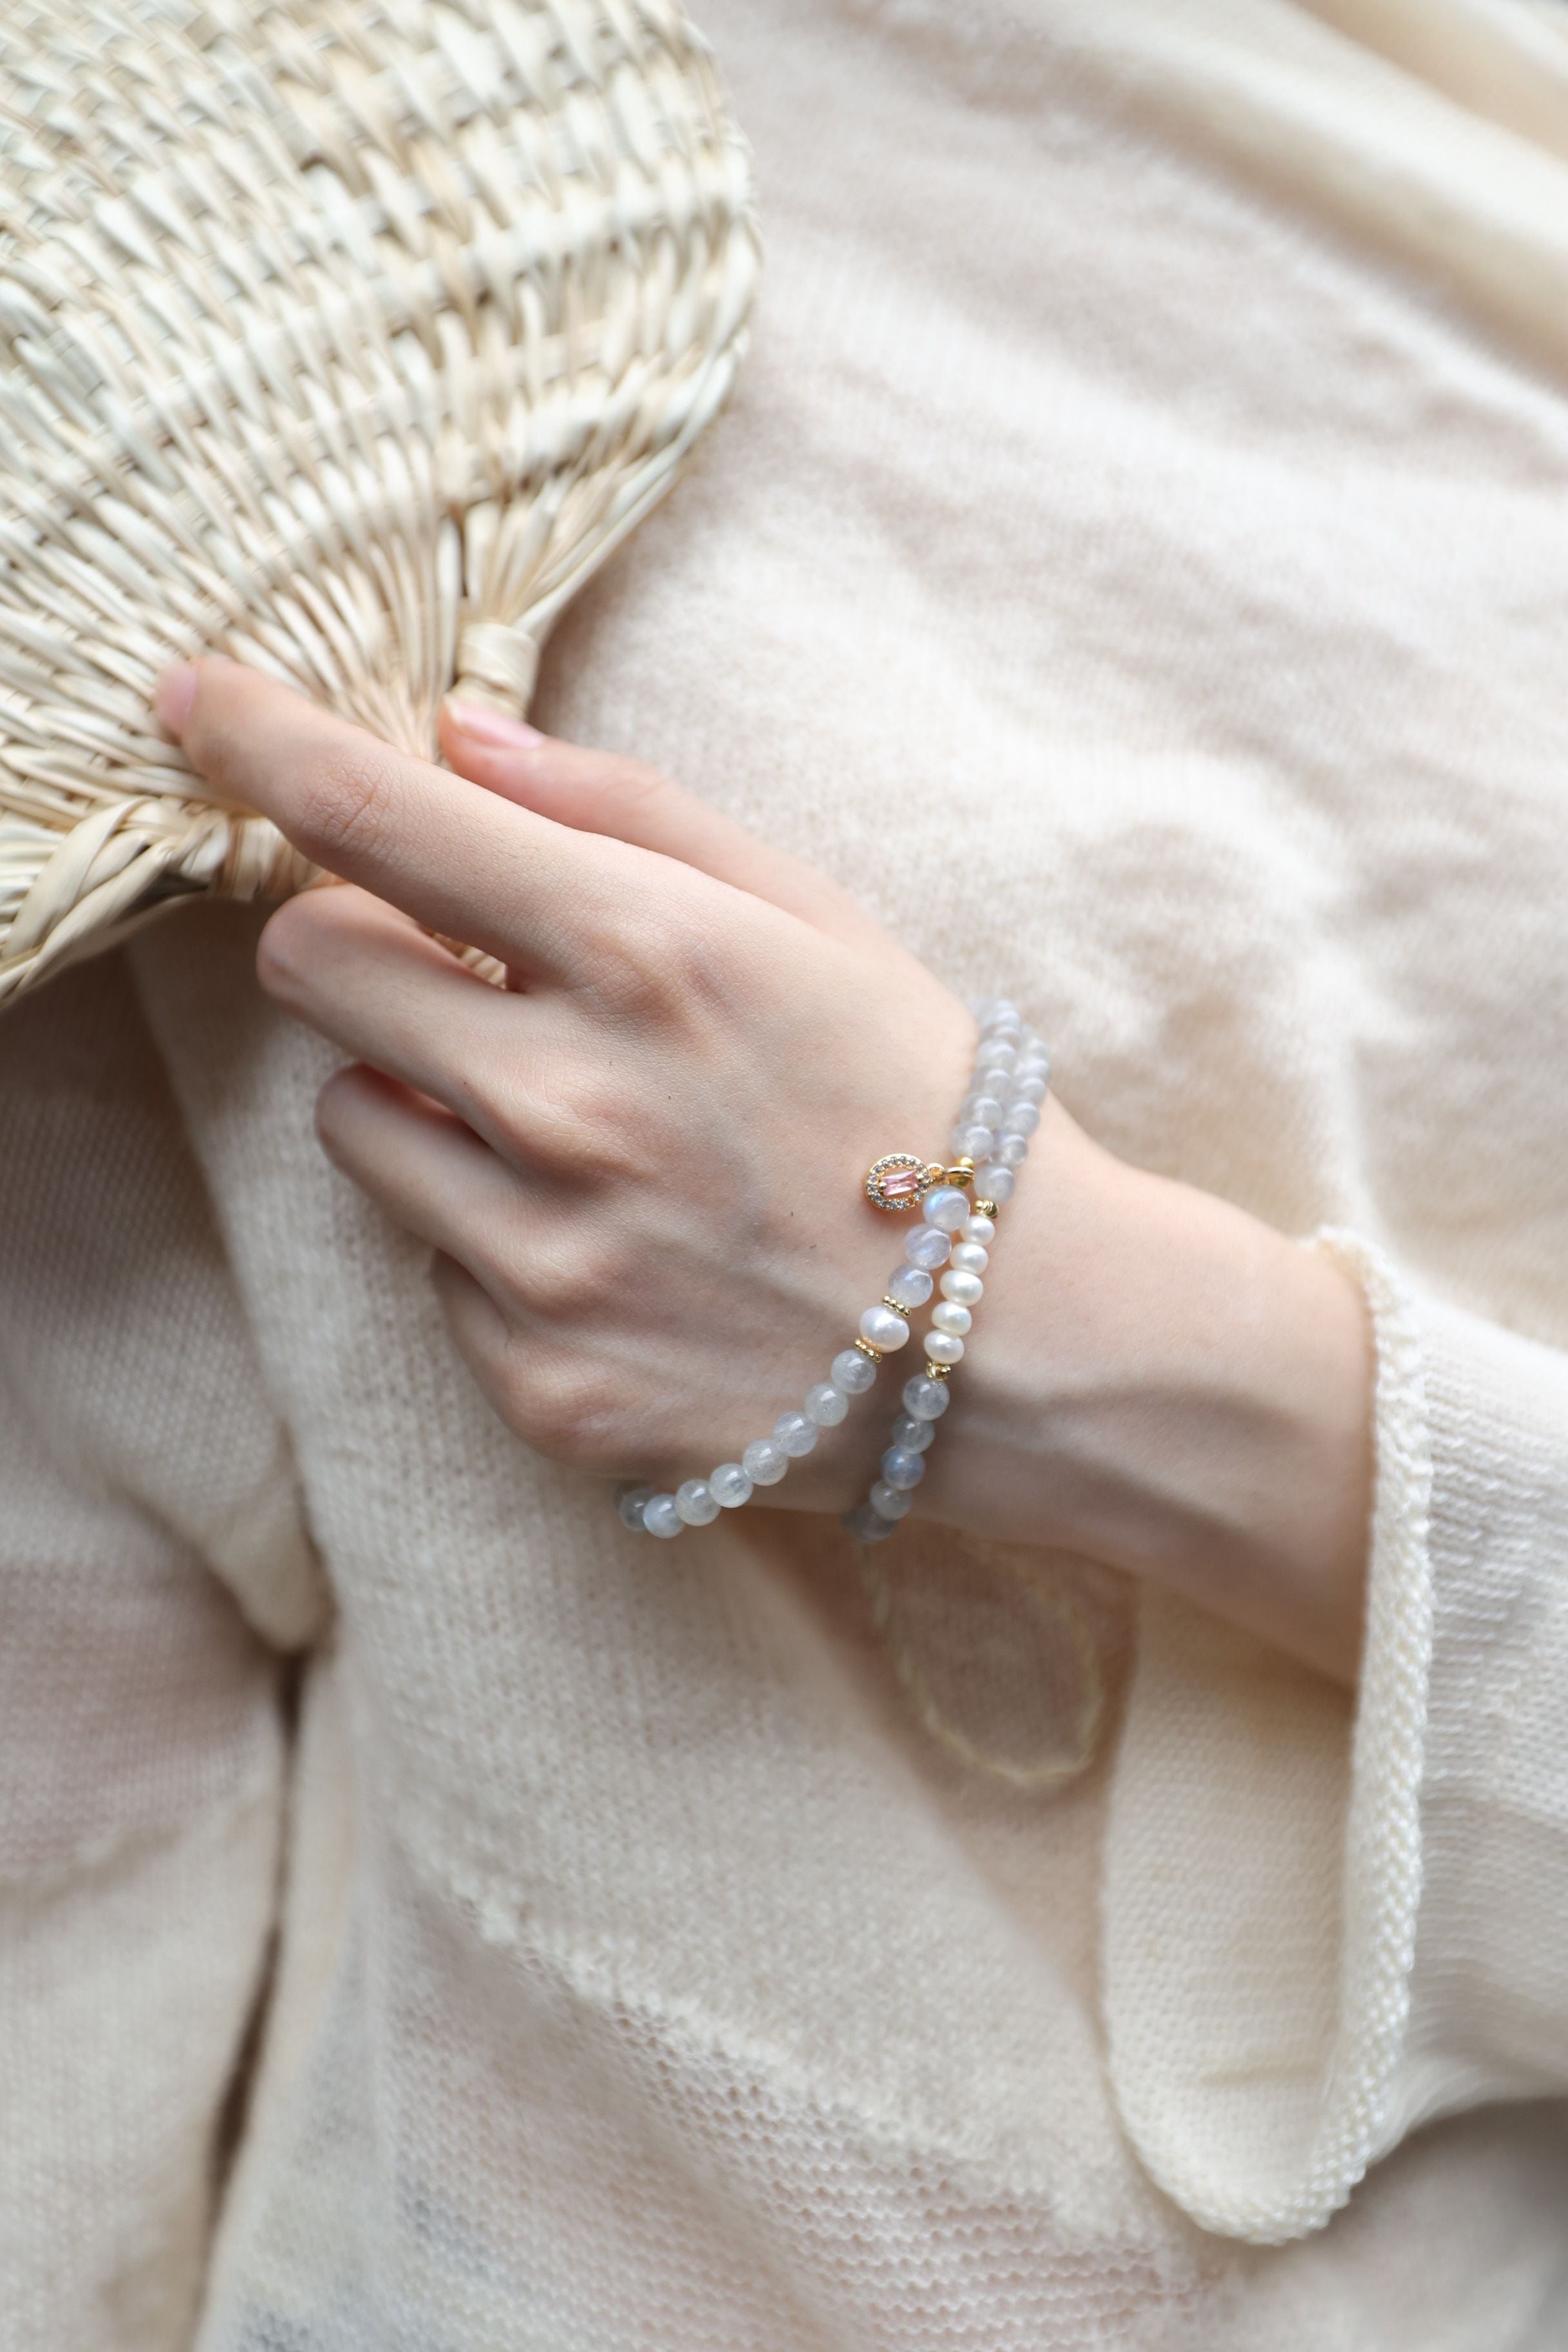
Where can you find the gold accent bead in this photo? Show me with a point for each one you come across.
(987, 1209)
(937, 1371)
(897, 1305)
(867, 1349)
(961, 1173)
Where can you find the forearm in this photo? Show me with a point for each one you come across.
(1165, 1384)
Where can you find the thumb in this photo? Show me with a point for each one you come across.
(599, 792)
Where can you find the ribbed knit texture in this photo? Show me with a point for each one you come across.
(1135, 562)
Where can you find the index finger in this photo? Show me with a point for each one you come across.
(458, 859)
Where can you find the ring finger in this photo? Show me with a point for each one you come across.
(432, 1175)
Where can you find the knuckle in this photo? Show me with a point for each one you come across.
(628, 789)
(670, 964)
(344, 804)
(571, 1281)
(564, 1406)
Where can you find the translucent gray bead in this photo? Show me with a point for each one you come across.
(662, 1518)
(826, 1404)
(994, 1182)
(697, 1503)
(909, 1285)
(852, 1372)
(1029, 1090)
(731, 1485)
(796, 1433)
(1022, 1118)
(910, 1436)
(867, 1524)
(945, 1207)
(1001, 1054)
(1012, 1151)
(984, 1109)
(629, 1502)
(902, 1469)
(926, 1247)
(765, 1461)
(925, 1399)
(974, 1143)
(889, 1502)
(996, 1083)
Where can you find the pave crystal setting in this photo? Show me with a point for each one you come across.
(898, 1181)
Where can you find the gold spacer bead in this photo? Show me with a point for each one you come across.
(961, 1173)
(937, 1371)
(897, 1305)
(987, 1209)
(867, 1349)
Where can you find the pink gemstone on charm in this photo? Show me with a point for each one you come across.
(902, 1183)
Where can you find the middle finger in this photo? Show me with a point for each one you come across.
(374, 983)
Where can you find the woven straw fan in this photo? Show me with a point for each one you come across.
(345, 337)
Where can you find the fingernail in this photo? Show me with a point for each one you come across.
(487, 726)
(173, 695)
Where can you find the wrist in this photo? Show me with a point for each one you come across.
(1172, 1388)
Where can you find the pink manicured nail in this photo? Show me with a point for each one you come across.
(173, 695)
(487, 726)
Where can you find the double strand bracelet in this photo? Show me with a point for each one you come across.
(952, 1242)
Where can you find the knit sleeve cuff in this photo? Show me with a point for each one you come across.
(1263, 1867)
(1328, 1918)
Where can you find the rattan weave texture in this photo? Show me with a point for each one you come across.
(345, 337)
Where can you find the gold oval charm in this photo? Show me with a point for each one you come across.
(898, 1182)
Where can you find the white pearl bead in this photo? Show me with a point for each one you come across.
(980, 1230)
(925, 1246)
(889, 1502)
(730, 1484)
(963, 1289)
(968, 1257)
(947, 1316)
(852, 1372)
(925, 1399)
(945, 1207)
(697, 1503)
(995, 1182)
(909, 1285)
(662, 1517)
(943, 1348)
(826, 1404)
(796, 1433)
(884, 1329)
(764, 1462)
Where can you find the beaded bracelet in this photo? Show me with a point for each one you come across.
(998, 1116)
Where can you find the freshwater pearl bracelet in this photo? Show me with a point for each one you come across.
(998, 1116)
(1000, 1113)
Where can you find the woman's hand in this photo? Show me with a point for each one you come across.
(641, 1169)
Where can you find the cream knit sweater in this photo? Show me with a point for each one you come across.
(1137, 561)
